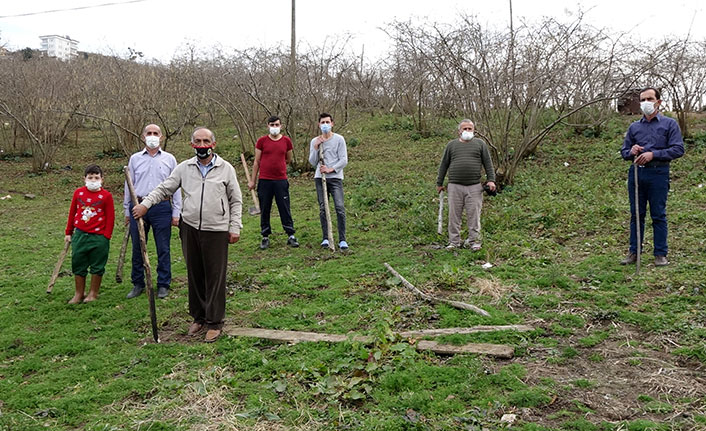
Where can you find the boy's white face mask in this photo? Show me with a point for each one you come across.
(93, 186)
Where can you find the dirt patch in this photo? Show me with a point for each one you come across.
(629, 376)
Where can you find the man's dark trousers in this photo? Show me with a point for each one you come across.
(279, 190)
(653, 187)
(159, 219)
(206, 256)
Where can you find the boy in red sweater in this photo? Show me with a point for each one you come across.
(92, 215)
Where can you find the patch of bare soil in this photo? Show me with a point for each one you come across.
(635, 364)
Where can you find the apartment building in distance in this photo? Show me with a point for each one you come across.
(61, 47)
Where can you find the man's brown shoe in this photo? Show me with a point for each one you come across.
(194, 328)
(629, 259)
(661, 261)
(212, 335)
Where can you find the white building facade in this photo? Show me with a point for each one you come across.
(61, 47)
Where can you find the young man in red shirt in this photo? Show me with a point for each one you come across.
(90, 226)
(272, 154)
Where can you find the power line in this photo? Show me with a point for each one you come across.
(44, 12)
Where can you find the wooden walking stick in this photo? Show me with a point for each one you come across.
(440, 218)
(637, 221)
(121, 258)
(327, 210)
(145, 258)
(256, 209)
(57, 267)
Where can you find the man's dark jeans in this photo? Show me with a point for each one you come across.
(653, 187)
(279, 190)
(334, 186)
(159, 218)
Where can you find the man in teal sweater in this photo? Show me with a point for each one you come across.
(463, 159)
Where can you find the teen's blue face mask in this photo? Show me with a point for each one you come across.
(325, 128)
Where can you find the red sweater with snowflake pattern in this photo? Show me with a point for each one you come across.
(92, 212)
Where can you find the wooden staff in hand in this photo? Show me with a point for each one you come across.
(145, 259)
(440, 218)
(637, 221)
(256, 209)
(327, 210)
(121, 258)
(57, 267)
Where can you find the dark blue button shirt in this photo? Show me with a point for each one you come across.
(661, 136)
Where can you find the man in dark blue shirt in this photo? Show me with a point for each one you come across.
(651, 143)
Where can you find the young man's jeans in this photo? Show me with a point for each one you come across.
(279, 190)
(334, 186)
(652, 187)
(159, 218)
(460, 197)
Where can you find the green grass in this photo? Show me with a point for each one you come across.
(554, 238)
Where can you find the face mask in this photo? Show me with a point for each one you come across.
(325, 128)
(93, 186)
(152, 142)
(274, 131)
(647, 108)
(466, 135)
(203, 152)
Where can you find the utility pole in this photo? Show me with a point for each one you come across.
(293, 83)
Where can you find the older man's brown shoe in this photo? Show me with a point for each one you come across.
(629, 259)
(194, 328)
(212, 335)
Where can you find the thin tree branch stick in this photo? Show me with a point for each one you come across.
(145, 258)
(57, 267)
(434, 299)
(327, 210)
(256, 210)
(637, 220)
(121, 257)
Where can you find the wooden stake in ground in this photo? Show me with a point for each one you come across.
(121, 258)
(145, 258)
(440, 218)
(434, 299)
(637, 221)
(327, 210)
(256, 209)
(57, 267)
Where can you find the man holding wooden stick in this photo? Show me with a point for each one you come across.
(148, 168)
(650, 143)
(273, 152)
(210, 220)
(463, 159)
(330, 166)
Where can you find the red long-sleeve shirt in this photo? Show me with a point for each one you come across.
(92, 212)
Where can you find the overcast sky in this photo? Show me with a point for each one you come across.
(161, 28)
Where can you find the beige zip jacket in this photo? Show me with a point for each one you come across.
(212, 203)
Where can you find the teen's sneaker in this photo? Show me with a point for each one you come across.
(324, 243)
(265, 242)
(343, 245)
(452, 246)
(292, 241)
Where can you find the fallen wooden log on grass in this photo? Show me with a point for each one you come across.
(495, 350)
(434, 299)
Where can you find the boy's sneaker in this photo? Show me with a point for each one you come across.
(343, 245)
(265, 242)
(292, 241)
(324, 243)
(452, 246)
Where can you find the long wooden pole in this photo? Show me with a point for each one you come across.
(121, 257)
(637, 221)
(57, 267)
(145, 258)
(327, 210)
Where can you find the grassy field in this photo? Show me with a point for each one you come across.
(611, 350)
